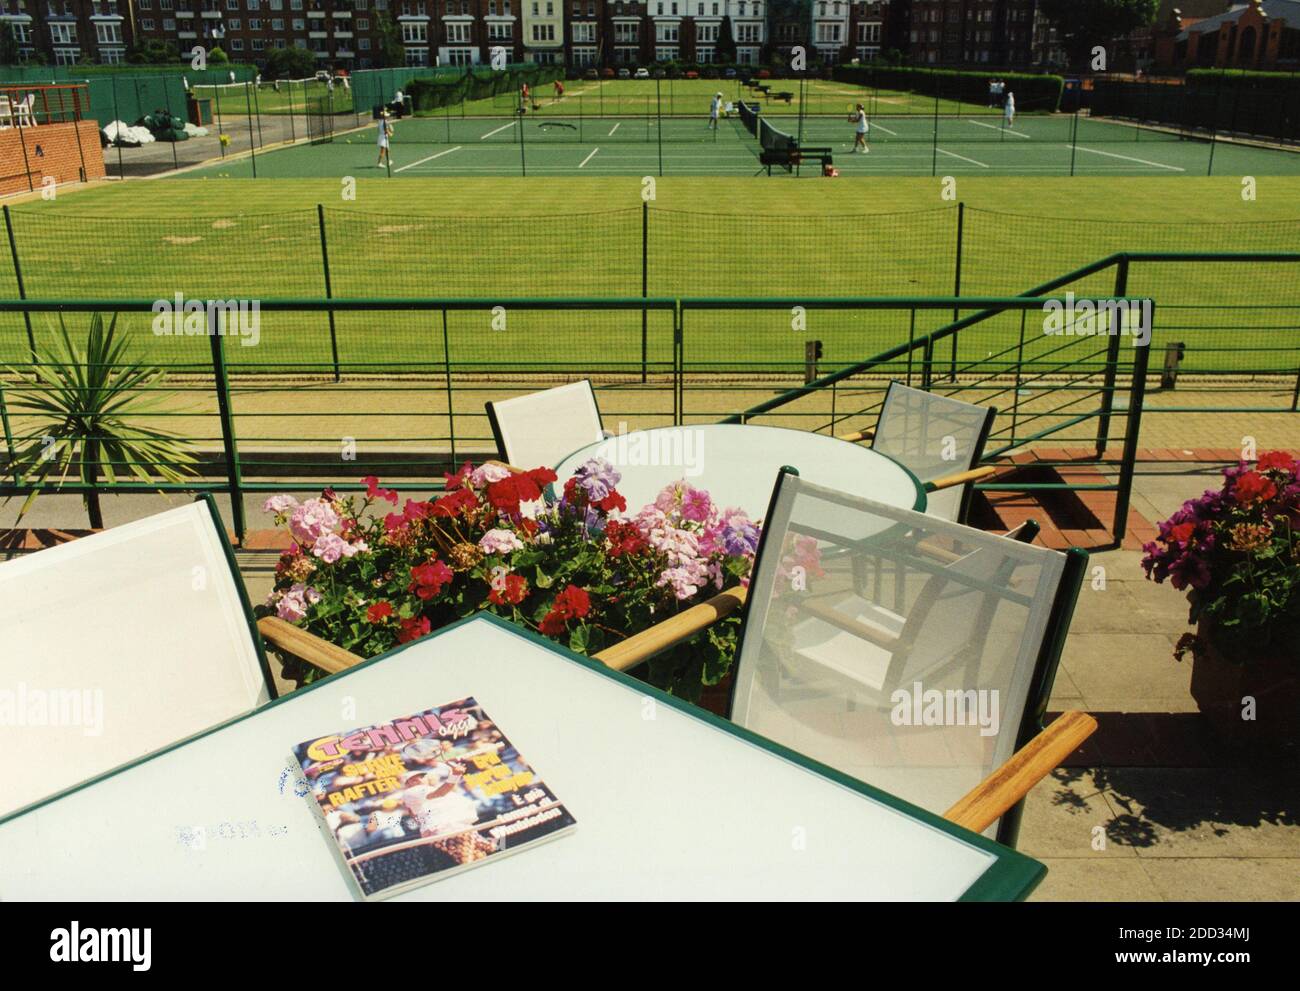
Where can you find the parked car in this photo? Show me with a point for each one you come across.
(608, 73)
(692, 74)
(764, 73)
(322, 76)
(729, 73)
(591, 74)
(624, 73)
(642, 74)
(660, 74)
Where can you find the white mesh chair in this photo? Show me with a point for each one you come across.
(542, 428)
(910, 652)
(118, 644)
(939, 439)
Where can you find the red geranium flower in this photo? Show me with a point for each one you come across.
(1275, 461)
(623, 538)
(572, 603)
(450, 505)
(414, 510)
(394, 522)
(552, 624)
(514, 591)
(429, 578)
(413, 629)
(373, 491)
(457, 480)
(611, 502)
(378, 612)
(1252, 486)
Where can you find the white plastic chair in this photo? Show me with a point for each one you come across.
(542, 428)
(23, 109)
(845, 637)
(6, 113)
(118, 644)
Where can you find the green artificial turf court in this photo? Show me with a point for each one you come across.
(553, 144)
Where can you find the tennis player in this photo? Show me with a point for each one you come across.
(859, 120)
(1009, 110)
(715, 108)
(385, 130)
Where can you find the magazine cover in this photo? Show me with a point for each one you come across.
(426, 795)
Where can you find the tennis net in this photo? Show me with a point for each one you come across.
(749, 116)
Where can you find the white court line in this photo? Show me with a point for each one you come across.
(994, 127)
(497, 131)
(962, 157)
(1127, 158)
(589, 157)
(429, 159)
(615, 128)
(880, 127)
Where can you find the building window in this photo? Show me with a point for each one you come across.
(414, 34)
(457, 33)
(146, 24)
(543, 32)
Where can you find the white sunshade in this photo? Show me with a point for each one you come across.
(118, 644)
(539, 429)
(849, 640)
(933, 436)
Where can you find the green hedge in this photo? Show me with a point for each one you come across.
(1234, 101)
(432, 92)
(1033, 91)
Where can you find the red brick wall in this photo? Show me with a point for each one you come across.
(59, 156)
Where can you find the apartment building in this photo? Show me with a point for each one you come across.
(68, 31)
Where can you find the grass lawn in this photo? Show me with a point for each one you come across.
(501, 238)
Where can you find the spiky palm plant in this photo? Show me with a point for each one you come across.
(83, 403)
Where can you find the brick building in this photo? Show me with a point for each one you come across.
(1262, 34)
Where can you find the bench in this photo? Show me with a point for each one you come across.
(788, 158)
(787, 97)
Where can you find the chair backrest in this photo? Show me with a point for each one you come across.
(933, 436)
(542, 428)
(118, 644)
(913, 653)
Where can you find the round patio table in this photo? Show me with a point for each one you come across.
(738, 465)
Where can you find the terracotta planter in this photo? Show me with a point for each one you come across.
(1220, 683)
(715, 697)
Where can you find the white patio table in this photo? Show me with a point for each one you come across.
(738, 465)
(671, 802)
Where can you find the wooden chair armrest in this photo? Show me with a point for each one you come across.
(961, 478)
(672, 631)
(857, 435)
(827, 614)
(981, 807)
(510, 468)
(311, 648)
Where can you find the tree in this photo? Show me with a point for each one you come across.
(218, 56)
(152, 51)
(289, 63)
(725, 50)
(1088, 24)
(9, 54)
(391, 53)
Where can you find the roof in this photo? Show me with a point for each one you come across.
(1285, 10)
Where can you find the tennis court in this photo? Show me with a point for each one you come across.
(900, 145)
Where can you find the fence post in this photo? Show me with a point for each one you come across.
(329, 291)
(659, 130)
(222, 383)
(252, 144)
(451, 399)
(1137, 393)
(117, 118)
(18, 278)
(1112, 365)
(645, 282)
(956, 289)
(9, 436)
(221, 128)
